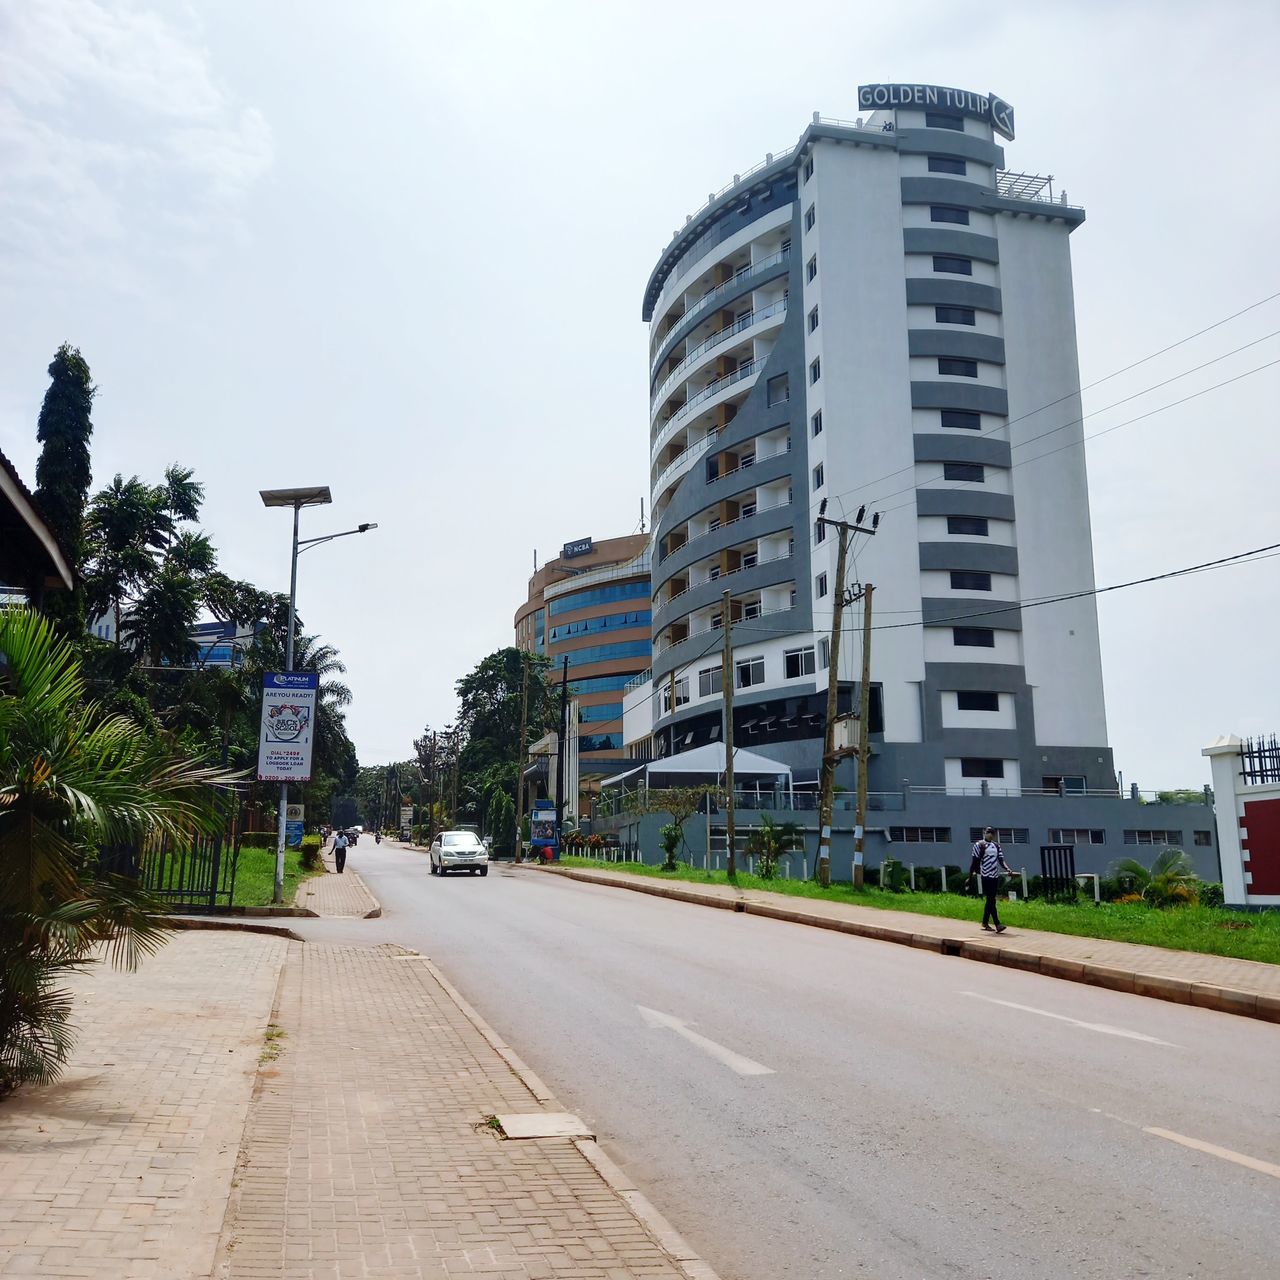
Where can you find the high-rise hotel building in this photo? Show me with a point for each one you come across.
(882, 316)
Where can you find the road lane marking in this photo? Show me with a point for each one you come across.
(734, 1061)
(1102, 1027)
(1195, 1144)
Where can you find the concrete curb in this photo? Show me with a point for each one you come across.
(693, 1266)
(234, 924)
(1204, 995)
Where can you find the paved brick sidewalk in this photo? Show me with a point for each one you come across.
(1187, 977)
(123, 1168)
(366, 1154)
(337, 895)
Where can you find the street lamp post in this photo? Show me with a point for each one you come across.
(314, 496)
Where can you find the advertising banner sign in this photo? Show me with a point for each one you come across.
(406, 817)
(288, 726)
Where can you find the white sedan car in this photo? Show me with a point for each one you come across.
(458, 851)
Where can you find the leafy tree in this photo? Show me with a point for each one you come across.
(74, 778)
(770, 841)
(124, 533)
(680, 802)
(63, 473)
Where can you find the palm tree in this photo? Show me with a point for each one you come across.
(770, 840)
(74, 780)
(1170, 879)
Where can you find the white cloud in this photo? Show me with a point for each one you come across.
(115, 131)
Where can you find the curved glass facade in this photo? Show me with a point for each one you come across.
(600, 684)
(606, 652)
(602, 622)
(598, 595)
(602, 711)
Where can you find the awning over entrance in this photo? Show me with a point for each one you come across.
(706, 764)
(30, 557)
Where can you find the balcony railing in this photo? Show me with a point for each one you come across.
(725, 524)
(712, 389)
(637, 682)
(716, 339)
(728, 573)
(689, 455)
(660, 648)
(709, 298)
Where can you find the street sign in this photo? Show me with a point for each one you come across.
(288, 726)
(406, 817)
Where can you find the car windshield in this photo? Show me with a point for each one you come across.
(461, 840)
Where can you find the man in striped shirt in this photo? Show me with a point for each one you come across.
(988, 861)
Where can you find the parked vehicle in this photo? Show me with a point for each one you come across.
(458, 851)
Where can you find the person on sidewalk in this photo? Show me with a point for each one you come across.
(988, 862)
(340, 850)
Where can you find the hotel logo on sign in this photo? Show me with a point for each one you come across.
(978, 106)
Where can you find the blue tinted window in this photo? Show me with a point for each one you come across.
(599, 595)
(605, 711)
(600, 684)
(600, 742)
(602, 622)
(606, 652)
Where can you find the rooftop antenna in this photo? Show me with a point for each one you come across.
(642, 528)
(535, 559)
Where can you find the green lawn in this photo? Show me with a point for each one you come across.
(1213, 930)
(256, 877)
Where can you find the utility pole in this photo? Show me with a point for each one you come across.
(726, 683)
(518, 855)
(830, 755)
(560, 745)
(864, 721)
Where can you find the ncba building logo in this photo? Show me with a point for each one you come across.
(287, 722)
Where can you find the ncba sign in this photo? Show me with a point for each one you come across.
(980, 106)
(580, 548)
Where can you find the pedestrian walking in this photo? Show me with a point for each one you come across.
(340, 850)
(988, 862)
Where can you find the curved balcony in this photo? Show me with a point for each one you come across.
(742, 280)
(709, 392)
(662, 613)
(681, 463)
(717, 339)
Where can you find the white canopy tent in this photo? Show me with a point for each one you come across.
(706, 764)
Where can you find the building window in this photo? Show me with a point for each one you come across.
(977, 700)
(748, 672)
(811, 269)
(798, 662)
(710, 680)
(791, 598)
(948, 213)
(808, 169)
(961, 420)
(946, 164)
(1005, 835)
(816, 423)
(1077, 835)
(820, 585)
(957, 368)
(819, 531)
(824, 652)
(955, 315)
(813, 319)
(819, 476)
(920, 835)
(778, 390)
(973, 637)
(810, 217)
(970, 580)
(682, 697)
(747, 460)
(973, 471)
(940, 120)
(970, 526)
(1073, 785)
(1202, 839)
(815, 369)
(748, 509)
(981, 767)
(1173, 838)
(952, 266)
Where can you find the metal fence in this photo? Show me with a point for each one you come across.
(1260, 761)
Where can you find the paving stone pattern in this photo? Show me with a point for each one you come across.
(337, 895)
(121, 1170)
(366, 1152)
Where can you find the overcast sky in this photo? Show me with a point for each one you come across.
(400, 248)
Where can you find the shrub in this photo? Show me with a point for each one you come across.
(893, 875)
(1211, 895)
(669, 838)
(1131, 897)
(311, 846)
(1170, 880)
(259, 839)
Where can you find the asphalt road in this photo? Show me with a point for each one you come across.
(802, 1104)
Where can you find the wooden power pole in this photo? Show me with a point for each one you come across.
(726, 682)
(524, 730)
(864, 723)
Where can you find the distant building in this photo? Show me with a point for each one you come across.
(591, 604)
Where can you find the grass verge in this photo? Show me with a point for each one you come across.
(1211, 930)
(256, 877)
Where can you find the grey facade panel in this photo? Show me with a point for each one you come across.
(999, 677)
(963, 447)
(955, 342)
(951, 240)
(964, 502)
(759, 525)
(947, 142)
(974, 396)
(966, 611)
(938, 291)
(980, 556)
(769, 574)
(997, 744)
(955, 191)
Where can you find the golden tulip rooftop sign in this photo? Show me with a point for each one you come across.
(934, 97)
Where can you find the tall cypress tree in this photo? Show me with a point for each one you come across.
(63, 474)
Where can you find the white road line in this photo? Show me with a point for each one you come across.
(734, 1061)
(1102, 1027)
(1195, 1144)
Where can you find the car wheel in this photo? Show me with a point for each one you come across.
(484, 871)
